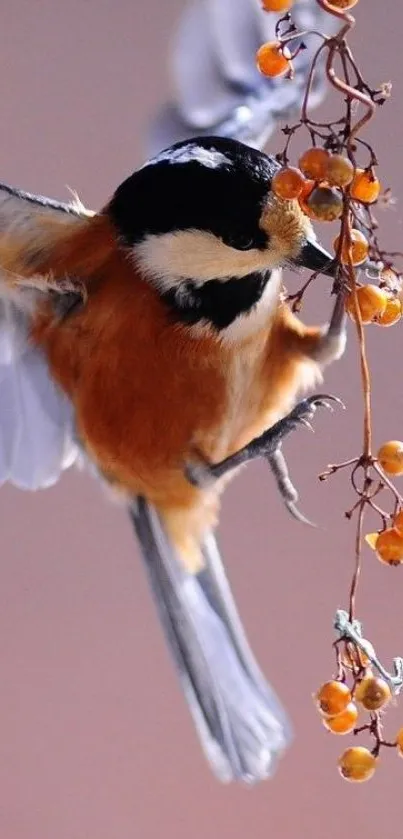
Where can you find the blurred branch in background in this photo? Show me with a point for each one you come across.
(217, 87)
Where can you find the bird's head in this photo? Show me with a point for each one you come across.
(202, 213)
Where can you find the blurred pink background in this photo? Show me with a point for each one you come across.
(95, 738)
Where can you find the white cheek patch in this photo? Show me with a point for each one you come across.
(170, 258)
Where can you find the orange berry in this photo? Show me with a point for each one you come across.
(371, 303)
(392, 313)
(313, 163)
(272, 59)
(372, 692)
(333, 698)
(340, 170)
(357, 764)
(344, 722)
(389, 546)
(399, 742)
(398, 522)
(325, 203)
(390, 456)
(302, 199)
(307, 188)
(288, 182)
(277, 5)
(346, 5)
(365, 187)
(359, 248)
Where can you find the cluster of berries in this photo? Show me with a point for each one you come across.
(274, 58)
(341, 706)
(318, 184)
(328, 185)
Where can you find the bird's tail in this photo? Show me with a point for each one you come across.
(241, 723)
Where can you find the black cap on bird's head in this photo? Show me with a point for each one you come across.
(204, 209)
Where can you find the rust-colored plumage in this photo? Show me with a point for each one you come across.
(182, 354)
(150, 396)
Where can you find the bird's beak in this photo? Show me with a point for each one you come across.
(315, 258)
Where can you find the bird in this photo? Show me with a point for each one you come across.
(152, 342)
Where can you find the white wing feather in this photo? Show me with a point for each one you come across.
(36, 418)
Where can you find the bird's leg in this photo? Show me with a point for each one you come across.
(326, 346)
(331, 342)
(267, 445)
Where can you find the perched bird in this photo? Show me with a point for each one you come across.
(152, 340)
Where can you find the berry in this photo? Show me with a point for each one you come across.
(372, 302)
(325, 203)
(333, 698)
(288, 182)
(344, 722)
(357, 764)
(272, 59)
(398, 522)
(340, 170)
(359, 248)
(314, 162)
(302, 199)
(372, 692)
(392, 313)
(390, 456)
(389, 546)
(307, 188)
(346, 5)
(399, 742)
(365, 187)
(277, 5)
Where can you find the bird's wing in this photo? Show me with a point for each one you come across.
(217, 87)
(36, 422)
(22, 214)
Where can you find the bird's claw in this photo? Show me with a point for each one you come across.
(302, 414)
(294, 511)
(306, 409)
(202, 474)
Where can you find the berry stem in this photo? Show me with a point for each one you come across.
(335, 467)
(353, 200)
(385, 480)
(350, 630)
(357, 569)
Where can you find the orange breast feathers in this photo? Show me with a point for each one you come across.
(150, 396)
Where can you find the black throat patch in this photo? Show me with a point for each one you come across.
(216, 302)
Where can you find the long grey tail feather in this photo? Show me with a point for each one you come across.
(241, 724)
